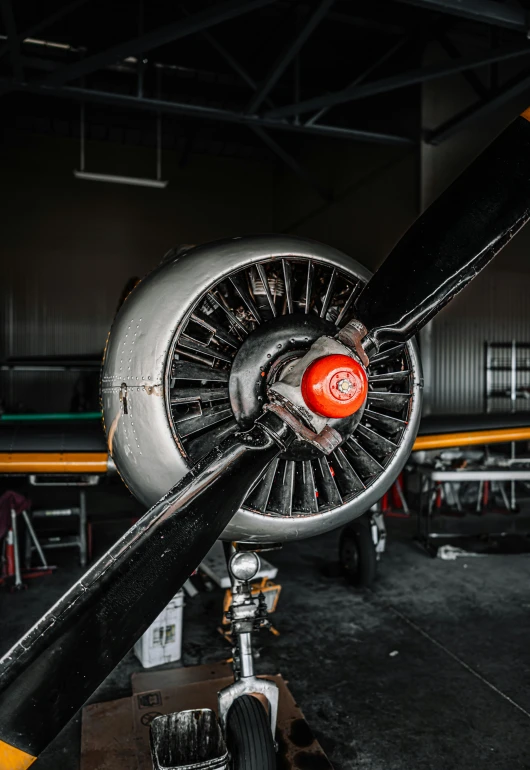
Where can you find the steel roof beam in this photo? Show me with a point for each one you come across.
(363, 75)
(206, 113)
(8, 18)
(487, 11)
(511, 90)
(403, 80)
(292, 163)
(410, 38)
(40, 25)
(261, 133)
(161, 36)
(288, 55)
(471, 77)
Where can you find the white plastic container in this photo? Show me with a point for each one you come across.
(162, 642)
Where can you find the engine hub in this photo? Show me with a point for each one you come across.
(260, 361)
(265, 354)
(262, 356)
(335, 386)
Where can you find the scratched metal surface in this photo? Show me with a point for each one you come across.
(142, 443)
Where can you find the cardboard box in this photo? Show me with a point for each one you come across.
(162, 642)
(115, 735)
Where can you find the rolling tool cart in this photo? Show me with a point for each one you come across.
(63, 527)
(11, 506)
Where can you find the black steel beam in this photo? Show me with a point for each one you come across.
(292, 163)
(226, 55)
(413, 37)
(363, 75)
(161, 36)
(511, 90)
(40, 25)
(487, 11)
(471, 77)
(6, 10)
(288, 55)
(403, 80)
(205, 113)
(381, 24)
(271, 143)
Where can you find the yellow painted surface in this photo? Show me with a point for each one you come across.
(14, 759)
(498, 436)
(53, 462)
(526, 114)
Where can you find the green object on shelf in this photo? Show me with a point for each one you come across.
(50, 416)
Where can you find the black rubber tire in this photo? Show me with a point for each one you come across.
(357, 554)
(248, 736)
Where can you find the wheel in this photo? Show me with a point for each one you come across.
(357, 553)
(249, 737)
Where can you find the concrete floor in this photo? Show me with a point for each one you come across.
(429, 670)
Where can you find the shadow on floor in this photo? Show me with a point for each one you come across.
(430, 670)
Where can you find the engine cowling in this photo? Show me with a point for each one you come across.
(190, 356)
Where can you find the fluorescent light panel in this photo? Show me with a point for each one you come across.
(134, 180)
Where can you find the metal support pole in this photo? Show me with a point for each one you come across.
(82, 528)
(158, 127)
(159, 146)
(504, 495)
(479, 496)
(82, 137)
(297, 86)
(35, 539)
(18, 577)
(245, 655)
(402, 497)
(140, 61)
(456, 495)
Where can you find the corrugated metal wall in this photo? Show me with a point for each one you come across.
(68, 246)
(495, 307)
(39, 317)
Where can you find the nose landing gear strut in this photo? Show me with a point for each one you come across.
(242, 738)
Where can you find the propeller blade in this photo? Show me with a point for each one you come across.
(48, 675)
(451, 242)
